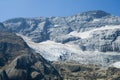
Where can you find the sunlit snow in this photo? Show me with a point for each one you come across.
(86, 34)
(116, 64)
(50, 49)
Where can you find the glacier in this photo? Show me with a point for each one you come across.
(54, 51)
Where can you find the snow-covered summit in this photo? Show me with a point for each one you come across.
(95, 14)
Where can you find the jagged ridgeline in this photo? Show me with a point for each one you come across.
(67, 29)
(55, 28)
(19, 62)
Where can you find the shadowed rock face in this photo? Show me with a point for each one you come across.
(2, 27)
(19, 62)
(11, 46)
(3, 75)
(31, 67)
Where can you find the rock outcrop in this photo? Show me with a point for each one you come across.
(19, 62)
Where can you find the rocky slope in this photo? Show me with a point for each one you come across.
(88, 37)
(20, 62)
(73, 71)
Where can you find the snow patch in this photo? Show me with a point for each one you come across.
(116, 64)
(96, 20)
(86, 34)
(56, 25)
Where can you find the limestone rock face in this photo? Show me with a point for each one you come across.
(55, 28)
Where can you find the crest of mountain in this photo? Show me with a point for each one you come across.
(88, 37)
(54, 28)
(20, 62)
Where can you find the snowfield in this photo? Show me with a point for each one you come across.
(86, 34)
(116, 64)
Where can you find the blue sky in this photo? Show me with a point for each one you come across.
(36, 8)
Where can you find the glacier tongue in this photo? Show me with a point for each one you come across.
(50, 49)
(54, 51)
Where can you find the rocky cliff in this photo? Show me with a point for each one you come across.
(20, 62)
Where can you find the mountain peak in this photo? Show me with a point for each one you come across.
(95, 13)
